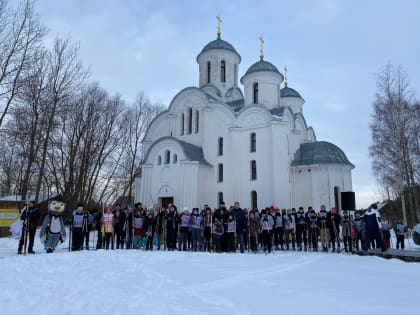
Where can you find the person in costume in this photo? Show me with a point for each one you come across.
(52, 229)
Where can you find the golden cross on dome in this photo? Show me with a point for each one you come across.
(285, 75)
(219, 21)
(262, 47)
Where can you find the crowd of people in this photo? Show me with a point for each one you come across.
(233, 229)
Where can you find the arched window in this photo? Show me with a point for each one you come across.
(190, 118)
(208, 71)
(254, 199)
(255, 93)
(167, 157)
(182, 124)
(219, 197)
(253, 142)
(220, 173)
(220, 146)
(253, 170)
(175, 159)
(197, 120)
(159, 161)
(223, 71)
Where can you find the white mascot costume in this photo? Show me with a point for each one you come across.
(52, 230)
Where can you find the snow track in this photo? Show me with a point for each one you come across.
(139, 282)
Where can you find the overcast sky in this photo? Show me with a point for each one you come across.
(332, 50)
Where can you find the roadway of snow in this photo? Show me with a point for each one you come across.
(139, 282)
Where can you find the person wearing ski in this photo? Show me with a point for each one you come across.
(86, 228)
(289, 227)
(30, 217)
(385, 231)
(346, 232)
(400, 231)
(359, 231)
(254, 228)
(116, 236)
(138, 228)
(301, 229)
(196, 223)
(150, 228)
(222, 214)
(217, 231)
(97, 219)
(207, 229)
(171, 227)
(108, 226)
(313, 223)
(335, 220)
(231, 229)
(267, 224)
(325, 224)
(278, 229)
(52, 229)
(77, 229)
(372, 228)
(240, 220)
(184, 220)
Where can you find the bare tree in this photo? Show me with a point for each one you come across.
(21, 36)
(392, 128)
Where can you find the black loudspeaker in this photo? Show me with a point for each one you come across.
(348, 200)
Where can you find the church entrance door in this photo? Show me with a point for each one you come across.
(165, 201)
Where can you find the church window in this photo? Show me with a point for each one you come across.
(253, 170)
(219, 197)
(254, 199)
(175, 159)
(220, 146)
(167, 156)
(182, 124)
(190, 118)
(223, 71)
(220, 173)
(197, 120)
(253, 142)
(255, 93)
(208, 71)
(159, 161)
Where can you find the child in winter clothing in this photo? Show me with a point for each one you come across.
(385, 231)
(346, 231)
(108, 223)
(400, 230)
(217, 234)
(196, 224)
(231, 227)
(324, 228)
(185, 228)
(207, 229)
(138, 227)
(359, 231)
(254, 227)
(267, 224)
(278, 229)
(313, 223)
(289, 229)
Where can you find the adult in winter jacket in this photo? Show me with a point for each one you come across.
(313, 225)
(400, 230)
(325, 224)
(372, 227)
(301, 229)
(346, 231)
(240, 220)
(267, 224)
(108, 221)
(30, 217)
(222, 214)
(184, 221)
(335, 220)
(171, 227)
(254, 228)
(77, 229)
(289, 229)
(278, 229)
(359, 231)
(196, 223)
(385, 231)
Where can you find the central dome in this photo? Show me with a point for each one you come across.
(262, 65)
(219, 44)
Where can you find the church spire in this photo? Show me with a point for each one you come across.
(261, 47)
(219, 21)
(285, 75)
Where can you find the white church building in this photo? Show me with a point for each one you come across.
(243, 140)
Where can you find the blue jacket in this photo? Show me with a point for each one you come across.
(240, 219)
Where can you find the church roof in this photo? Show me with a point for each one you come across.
(262, 65)
(191, 151)
(219, 44)
(289, 92)
(319, 152)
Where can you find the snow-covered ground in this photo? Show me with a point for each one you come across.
(139, 282)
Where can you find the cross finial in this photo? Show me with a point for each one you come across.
(262, 47)
(285, 75)
(219, 21)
